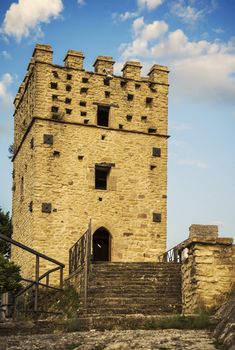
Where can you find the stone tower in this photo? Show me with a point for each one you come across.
(90, 145)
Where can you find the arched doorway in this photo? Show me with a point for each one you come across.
(101, 245)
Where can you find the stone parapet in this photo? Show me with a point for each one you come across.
(208, 274)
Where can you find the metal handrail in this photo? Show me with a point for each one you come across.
(80, 260)
(36, 282)
(30, 250)
(173, 255)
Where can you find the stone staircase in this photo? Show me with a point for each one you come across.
(122, 293)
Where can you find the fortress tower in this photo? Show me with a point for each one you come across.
(90, 145)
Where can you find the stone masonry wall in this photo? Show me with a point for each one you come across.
(61, 173)
(208, 274)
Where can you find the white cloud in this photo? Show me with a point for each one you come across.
(189, 13)
(194, 163)
(121, 17)
(5, 55)
(81, 2)
(202, 70)
(5, 96)
(218, 30)
(149, 4)
(141, 5)
(23, 18)
(143, 34)
(186, 12)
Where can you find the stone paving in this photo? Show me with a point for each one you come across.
(113, 340)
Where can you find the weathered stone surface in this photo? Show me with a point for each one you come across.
(208, 273)
(114, 340)
(63, 173)
(225, 330)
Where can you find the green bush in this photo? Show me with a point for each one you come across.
(9, 275)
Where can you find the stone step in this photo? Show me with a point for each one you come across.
(119, 322)
(132, 283)
(127, 290)
(136, 303)
(135, 309)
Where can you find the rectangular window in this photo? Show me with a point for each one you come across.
(54, 86)
(69, 76)
(103, 115)
(101, 176)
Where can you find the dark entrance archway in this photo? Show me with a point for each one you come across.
(101, 245)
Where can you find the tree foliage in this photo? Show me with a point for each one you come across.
(5, 229)
(9, 275)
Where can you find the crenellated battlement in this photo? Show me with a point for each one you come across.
(72, 94)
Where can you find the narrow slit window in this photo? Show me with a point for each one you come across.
(103, 115)
(101, 177)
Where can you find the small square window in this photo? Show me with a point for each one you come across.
(103, 115)
(48, 139)
(106, 81)
(82, 103)
(129, 118)
(130, 97)
(68, 100)
(68, 111)
(68, 87)
(54, 109)
(123, 83)
(120, 126)
(156, 152)
(157, 217)
(54, 86)
(86, 121)
(144, 118)
(85, 80)
(69, 76)
(55, 74)
(46, 207)
(54, 97)
(137, 86)
(83, 90)
(107, 94)
(149, 101)
(101, 177)
(83, 114)
(152, 130)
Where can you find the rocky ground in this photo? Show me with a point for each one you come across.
(113, 340)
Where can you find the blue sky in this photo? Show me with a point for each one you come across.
(195, 38)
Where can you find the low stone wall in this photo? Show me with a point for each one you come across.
(208, 276)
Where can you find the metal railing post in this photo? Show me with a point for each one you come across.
(36, 284)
